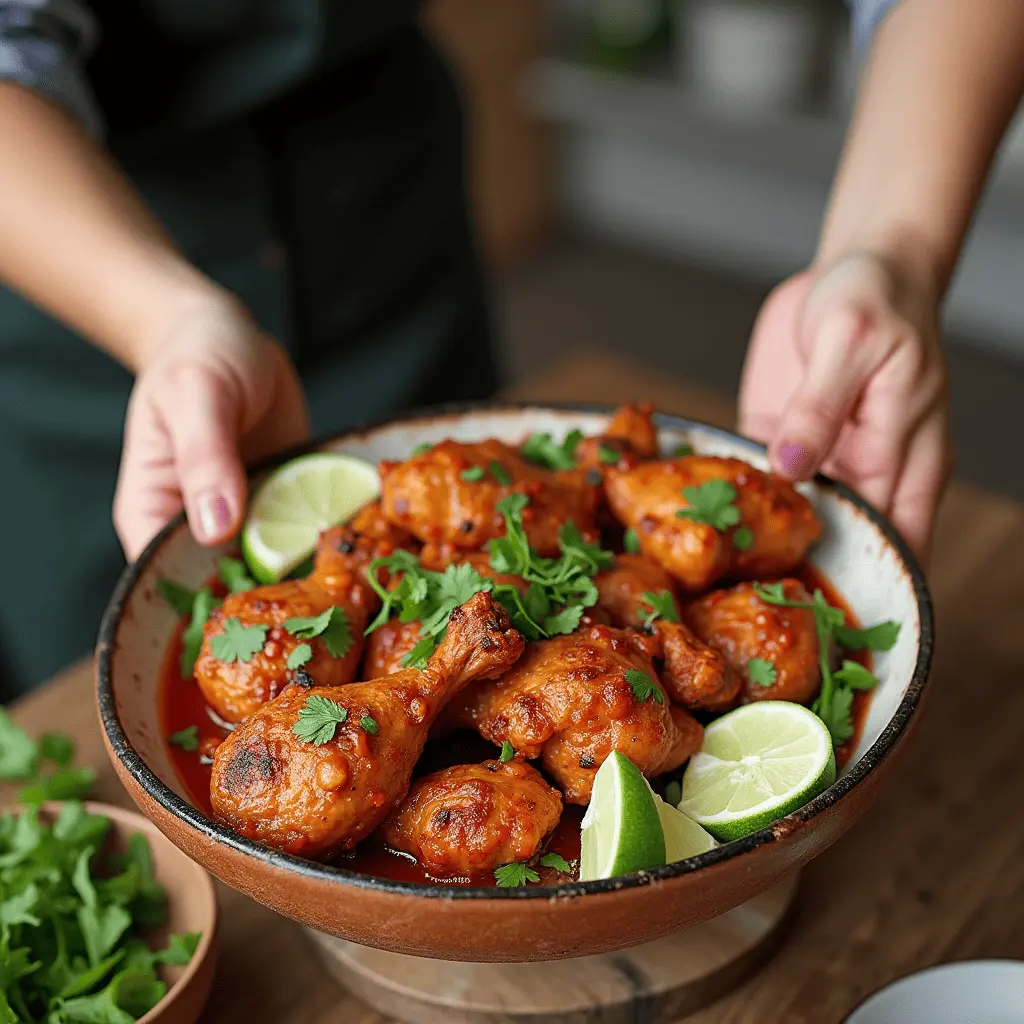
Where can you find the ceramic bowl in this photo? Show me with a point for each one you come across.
(859, 551)
(979, 991)
(191, 907)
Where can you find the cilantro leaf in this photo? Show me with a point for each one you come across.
(673, 792)
(471, 474)
(742, 538)
(607, 455)
(331, 625)
(56, 747)
(187, 738)
(881, 637)
(837, 715)
(631, 542)
(131, 994)
(101, 928)
(178, 597)
(369, 725)
(422, 448)
(318, 719)
(420, 654)
(18, 909)
(234, 574)
(192, 638)
(238, 642)
(299, 657)
(556, 861)
(454, 587)
(663, 606)
(18, 755)
(682, 450)
(855, 676)
(500, 473)
(564, 621)
(541, 449)
(712, 503)
(64, 784)
(509, 876)
(643, 687)
(507, 752)
(180, 948)
(761, 671)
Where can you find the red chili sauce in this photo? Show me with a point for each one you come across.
(182, 705)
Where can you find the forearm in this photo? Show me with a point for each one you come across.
(76, 239)
(943, 80)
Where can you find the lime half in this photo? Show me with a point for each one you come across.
(683, 836)
(757, 764)
(622, 828)
(296, 502)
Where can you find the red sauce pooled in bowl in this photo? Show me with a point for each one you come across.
(182, 705)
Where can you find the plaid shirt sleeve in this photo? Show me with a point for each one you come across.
(867, 16)
(43, 47)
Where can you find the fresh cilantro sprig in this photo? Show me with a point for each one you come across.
(556, 861)
(511, 876)
(234, 574)
(319, 719)
(203, 604)
(541, 449)
(761, 672)
(331, 626)
(663, 606)
(834, 704)
(713, 502)
(631, 541)
(643, 686)
(508, 752)
(23, 759)
(187, 739)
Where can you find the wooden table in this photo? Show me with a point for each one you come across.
(931, 874)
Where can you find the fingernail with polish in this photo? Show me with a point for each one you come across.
(214, 515)
(795, 460)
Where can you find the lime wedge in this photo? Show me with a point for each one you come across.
(296, 502)
(621, 829)
(683, 836)
(757, 764)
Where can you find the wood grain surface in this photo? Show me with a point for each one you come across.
(931, 874)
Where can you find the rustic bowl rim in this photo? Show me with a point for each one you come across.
(181, 809)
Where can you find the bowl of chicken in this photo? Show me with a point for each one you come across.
(469, 706)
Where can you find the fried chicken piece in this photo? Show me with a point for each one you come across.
(781, 520)
(621, 589)
(429, 496)
(695, 674)
(371, 522)
(630, 433)
(271, 785)
(235, 689)
(743, 626)
(472, 818)
(568, 701)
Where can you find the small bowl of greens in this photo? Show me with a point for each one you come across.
(102, 919)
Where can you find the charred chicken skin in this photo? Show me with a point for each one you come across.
(569, 702)
(742, 626)
(271, 785)
(472, 818)
(447, 496)
(235, 689)
(780, 521)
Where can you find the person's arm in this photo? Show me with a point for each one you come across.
(211, 389)
(845, 370)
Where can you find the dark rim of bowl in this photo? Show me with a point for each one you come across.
(779, 830)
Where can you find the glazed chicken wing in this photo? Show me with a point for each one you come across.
(743, 626)
(472, 818)
(569, 702)
(781, 521)
(317, 800)
(621, 589)
(447, 496)
(235, 689)
(630, 434)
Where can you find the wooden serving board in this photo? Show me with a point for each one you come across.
(659, 981)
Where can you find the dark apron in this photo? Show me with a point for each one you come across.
(334, 207)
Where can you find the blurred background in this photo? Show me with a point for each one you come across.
(644, 171)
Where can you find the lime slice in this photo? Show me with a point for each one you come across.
(296, 502)
(757, 764)
(621, 829)
(683, 836)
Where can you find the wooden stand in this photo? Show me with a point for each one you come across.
(660, 981)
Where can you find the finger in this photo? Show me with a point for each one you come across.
(201, 414)
(842, 357)
(924, 475)
(147, 495)
(285, 423)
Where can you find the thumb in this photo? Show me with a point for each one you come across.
(840, 362)
(202, 415)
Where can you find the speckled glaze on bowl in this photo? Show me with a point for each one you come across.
(860, 552)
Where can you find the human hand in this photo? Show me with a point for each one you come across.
(845, 374)
(214, 393)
